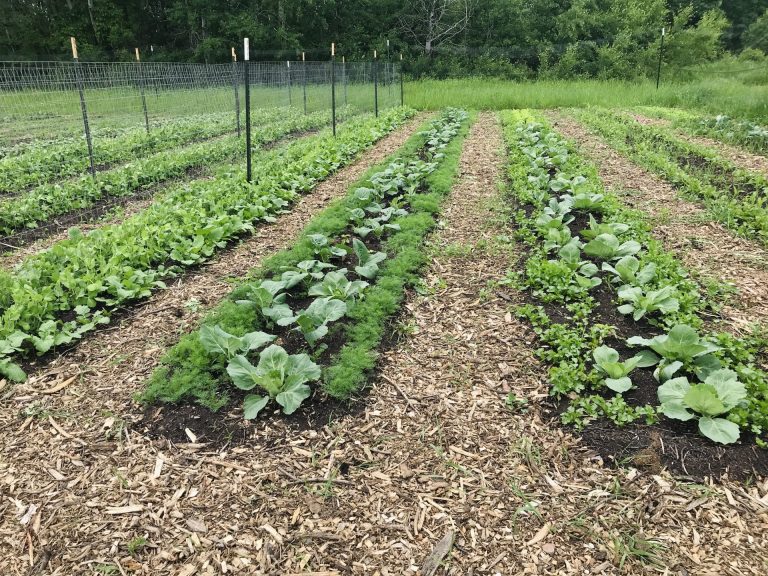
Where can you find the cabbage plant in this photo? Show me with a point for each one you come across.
(709, 402)
(642, 303)
(616, 372)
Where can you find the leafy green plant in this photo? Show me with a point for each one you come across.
(682, 346)
(607, 247)
(217, 341)
(336, 285)
(627, 271)
(642, 303)
(617, 372)
(268, 300)
(323, 249)
(595, 228)
(720, 392)
(367, 262)
(281, 375)
(313, 322)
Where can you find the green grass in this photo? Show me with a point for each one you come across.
(715, 96)
(34, 114)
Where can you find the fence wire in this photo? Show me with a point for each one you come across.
(39, 101)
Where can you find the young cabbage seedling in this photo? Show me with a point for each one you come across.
(720, 392)
(643, 303)
(217, 341)
(682, 346)
(617, 372)
(281, 375)
(607, 247)
(628, 271)
(313, 322)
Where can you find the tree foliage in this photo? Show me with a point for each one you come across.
(505, 38)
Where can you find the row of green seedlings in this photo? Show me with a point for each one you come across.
(319, 310)
(55, 296)
(40, 204)
(41, 163)
(589, 258)
(735, 197)
(743, 133)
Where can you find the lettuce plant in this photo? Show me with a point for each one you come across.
(218, 341)
(641, 303)
(628, 271)
(720, 392)
(281, 375)
(616, 372)
(607, 247)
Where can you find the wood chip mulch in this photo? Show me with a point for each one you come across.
(435, 476)
(704, 246)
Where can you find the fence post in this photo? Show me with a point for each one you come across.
(304, 79)
(290, 98)
(141, 89)
(376, 83)
(344, 78)
(237, 90)
(83, 108)
(246, 58)
(661, 53)
(402, 92)
(333, 85)
(389, 72)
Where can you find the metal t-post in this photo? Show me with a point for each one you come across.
(375, 83)
(333, 86)
(237, 90)
(141, 89)
(83, 107)
(661, 53)
(402, 94)
(247, 57)
(304, 79)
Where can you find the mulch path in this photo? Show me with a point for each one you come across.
(684, 227)
(432, 475)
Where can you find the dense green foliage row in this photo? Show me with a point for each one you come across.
(735, 197)
(509, 38)
(582, 241)
(55, 296)
(42, 161)
(743, 133)
(329, 287)
(29, 209)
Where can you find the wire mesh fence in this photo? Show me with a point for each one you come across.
(41, 100)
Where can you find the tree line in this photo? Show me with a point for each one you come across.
(441, 38)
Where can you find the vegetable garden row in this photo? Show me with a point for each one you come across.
(618, 318)
(57, 295)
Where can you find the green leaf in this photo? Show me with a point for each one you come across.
(619, 385)
(702, 398)
(671, 395)
(11, 371)
(292, 397)
(647, 358)
(719, 429)
(253, 404)
(242, 372)
(729, 390)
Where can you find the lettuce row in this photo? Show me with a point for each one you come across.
(85, 277)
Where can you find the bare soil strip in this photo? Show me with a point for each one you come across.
(76, 414)
(435, 457)
(701, 244)
(741, 158)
